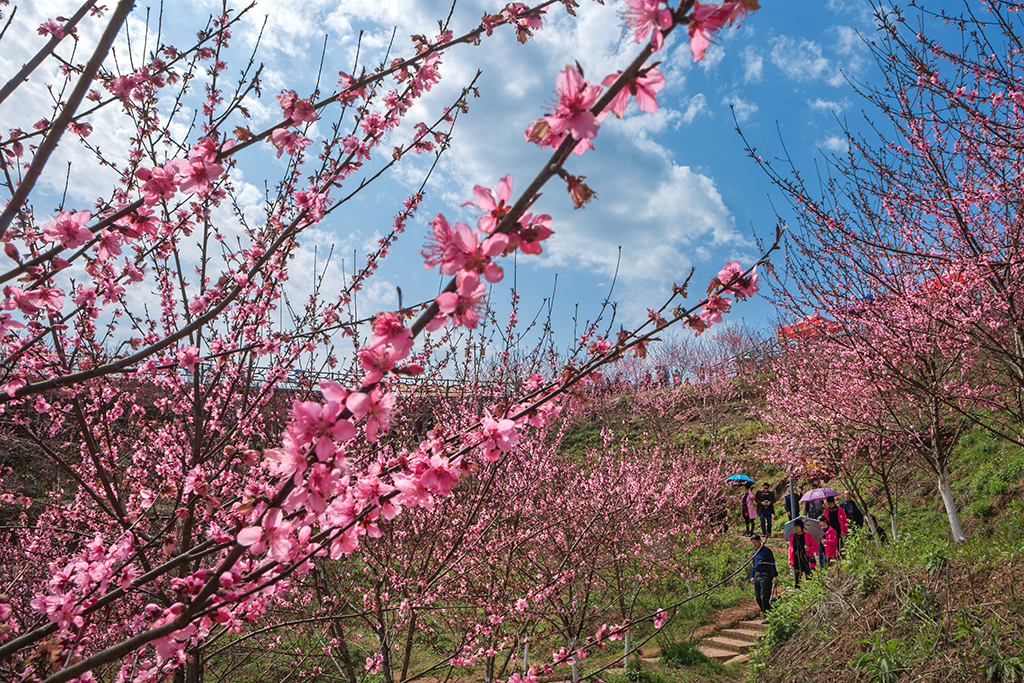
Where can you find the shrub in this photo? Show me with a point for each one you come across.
(683, 653)
(883, 660)
(936, 560)
(636, 672)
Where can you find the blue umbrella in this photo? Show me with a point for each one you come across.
(738, 479)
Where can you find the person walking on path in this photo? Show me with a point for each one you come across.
(802, 550)
(792, 502)
(836, 518)
(853, 513)
(765, 509)
(762, 573)
(748, 510)
(830, 541)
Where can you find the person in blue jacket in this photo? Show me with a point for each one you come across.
(762, 573)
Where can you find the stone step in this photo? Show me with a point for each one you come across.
(737, 646)
(738, 659)
(715, 653)
(753, 626)
(742, 634)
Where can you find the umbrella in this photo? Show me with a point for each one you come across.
(811, 527)
(739, 480)
(818, 494)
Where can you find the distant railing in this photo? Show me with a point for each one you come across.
(301, 380)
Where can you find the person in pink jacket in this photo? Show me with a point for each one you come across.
(835, 517)
(748, 511)
(831, 541)
(802, 551)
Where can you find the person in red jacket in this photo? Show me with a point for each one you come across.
(802, 551)
(835, 517)
(830, 541)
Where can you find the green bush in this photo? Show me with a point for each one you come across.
(636, 672)
(882, 660)
(868, 577)
(980, 508)
(784, 616)
(936, 560)
(988, 640)
(683, 653)
(923, 603)
(1011, 472)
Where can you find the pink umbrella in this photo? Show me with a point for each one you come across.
(818, 494)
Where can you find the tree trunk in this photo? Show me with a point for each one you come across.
(947, 500)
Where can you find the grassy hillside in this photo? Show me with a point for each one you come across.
(922, 607)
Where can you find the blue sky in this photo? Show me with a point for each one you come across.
(675, 188)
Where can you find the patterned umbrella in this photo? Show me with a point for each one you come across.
(818, 494)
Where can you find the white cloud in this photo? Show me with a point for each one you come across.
(741, 108)
(680, 214)
(849, 44)
(828, 106)
(801, 60)
(713, 57)
(835, 143)
(753, 64)
(698, 106)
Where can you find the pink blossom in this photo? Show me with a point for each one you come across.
(83, 129)
(188, 357)
(600, 347)
(69, 229)
(160, 182)
(461, 305)
(321, 426)
(376, 405)
(137, 223)
(375, 494)
(391, 343)
(199, 171)
(648, 16)
(7, 324)
(388, 326)
(706, 19)
(285, 462)
(412, 493)
(439, 474)
(33, 301)
(295, 109)
(11, 388)
(274, 534)
(732, 279)
(499, 436)
(459, 248)
(348, 94)
(52, 28)
(374, 664)
(494, 210)
(525, 24)
(109, 245)
(659, 618)
(531, 232)
(51, 298)
(288, 142)
(712, 311)
(572, 112)
(643, 89)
